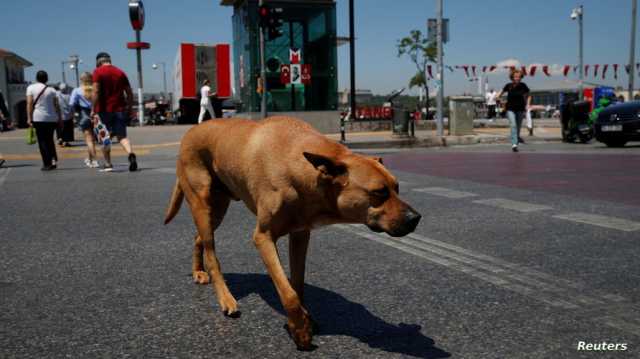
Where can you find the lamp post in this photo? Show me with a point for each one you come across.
(164, 77)
(576, 14)
(73, 62)
(440, 74)
(632, 48)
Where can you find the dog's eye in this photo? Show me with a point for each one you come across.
(382, 193)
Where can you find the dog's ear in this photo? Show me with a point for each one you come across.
(326, 165)
(377, 159)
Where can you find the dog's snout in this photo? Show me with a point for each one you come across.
(412, 220)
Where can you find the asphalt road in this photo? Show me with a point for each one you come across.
(518, 256)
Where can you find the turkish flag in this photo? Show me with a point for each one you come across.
(545, 69)
(492, 68)
(473, 69)
(306, 74)
(615, 71)
(285, 74)
(604, 71)
(466, 70)
(484, 69)
(565, 70)
(595, 70)
(524, 70)
(586, 70)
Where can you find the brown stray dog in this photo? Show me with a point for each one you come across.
(293, 179)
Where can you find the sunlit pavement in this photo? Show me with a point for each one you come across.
(518, 255)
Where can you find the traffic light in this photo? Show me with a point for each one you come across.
(275, 23)
(271, 20)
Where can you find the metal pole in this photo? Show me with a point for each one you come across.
(632, 47)
(580, 55)
(140, 86)
(76, 60)
(164, 79)
(64, 75)
(440, 74)
(352, 68)
(263, 72)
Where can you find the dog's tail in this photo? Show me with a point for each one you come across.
(176, 201)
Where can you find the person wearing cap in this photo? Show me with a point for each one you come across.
(112, 104)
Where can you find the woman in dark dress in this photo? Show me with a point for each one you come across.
(518, 100)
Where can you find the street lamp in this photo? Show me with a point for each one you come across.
(164, 77)
(576, 14)
(73, 62)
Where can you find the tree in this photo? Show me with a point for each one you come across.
(421, 51)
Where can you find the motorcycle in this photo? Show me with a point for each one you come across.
(576, 125)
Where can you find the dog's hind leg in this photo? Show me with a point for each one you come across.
(298, 243)
(208, 207)
(219, 205)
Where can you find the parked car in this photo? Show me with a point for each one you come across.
(618, 124)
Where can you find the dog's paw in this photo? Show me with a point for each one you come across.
(229, 307)
(200, 277)
(302, 333)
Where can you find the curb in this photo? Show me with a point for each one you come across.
(434, 141)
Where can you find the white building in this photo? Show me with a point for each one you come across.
(13, 86)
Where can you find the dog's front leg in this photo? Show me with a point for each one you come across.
(299, 323)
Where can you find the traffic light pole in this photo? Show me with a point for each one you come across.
(263, 72)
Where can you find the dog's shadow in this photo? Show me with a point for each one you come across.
(335, 315)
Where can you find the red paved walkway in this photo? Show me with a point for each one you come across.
(606, 177)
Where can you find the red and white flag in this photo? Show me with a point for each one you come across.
(586, 70)
(492, 68)
(545, 69)
(532, 70)
(565, 70)
(294, 56)
(604, 71)
(596, 67)
(484, 69)
(615, 71)
(473, 69)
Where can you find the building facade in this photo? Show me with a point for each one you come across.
(13, 85)
(309, 26)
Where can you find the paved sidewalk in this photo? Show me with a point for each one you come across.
(428, 138)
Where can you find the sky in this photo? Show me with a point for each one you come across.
(481, 33)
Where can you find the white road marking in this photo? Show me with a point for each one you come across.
(524, 207)
(609, 309)
(4, 176)
(445, 192)
(601, 221)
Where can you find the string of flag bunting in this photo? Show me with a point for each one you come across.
(531, 70)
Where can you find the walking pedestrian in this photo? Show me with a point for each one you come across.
(80, 102)
(491, 97)
(44, 114)
(65, 132)
(518, 101)
(4, 115)
(205, 100)
(112, 104)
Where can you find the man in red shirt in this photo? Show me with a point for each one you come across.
(112, 104)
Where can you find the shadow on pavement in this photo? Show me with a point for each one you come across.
(336, 315)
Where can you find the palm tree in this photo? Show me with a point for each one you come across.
(421, 51)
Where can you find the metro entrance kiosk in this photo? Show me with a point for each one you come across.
(306, 48)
